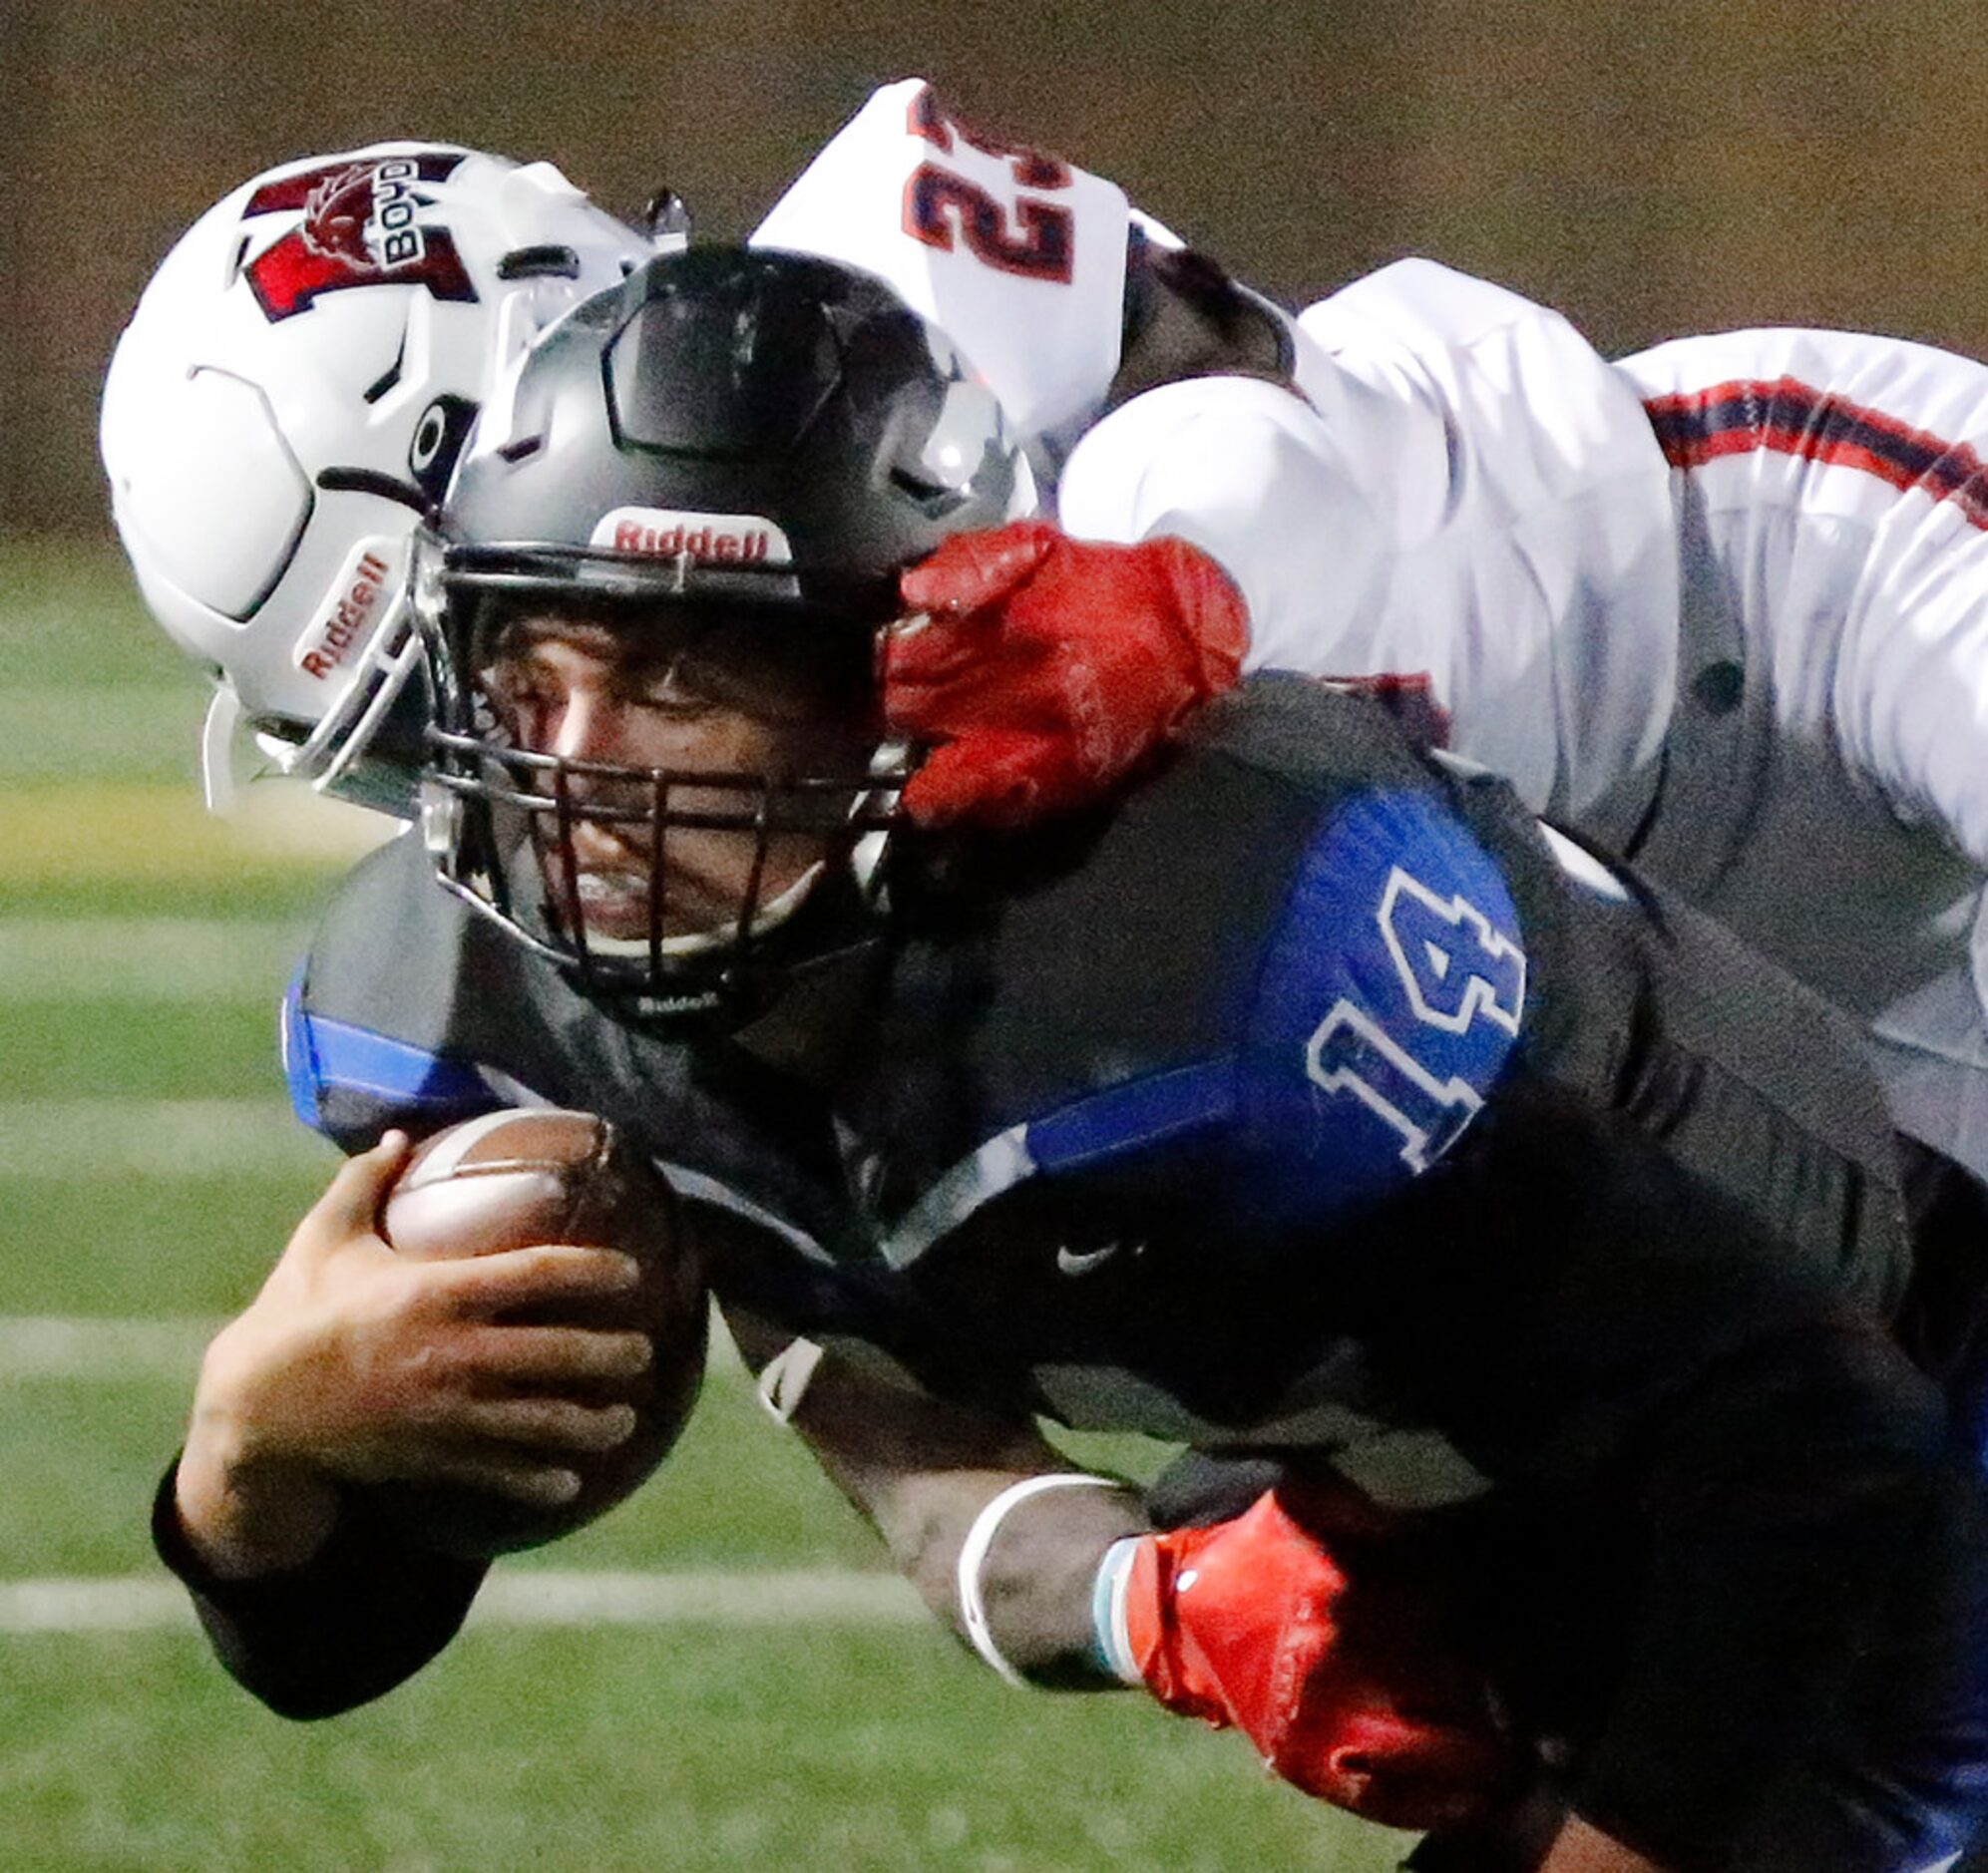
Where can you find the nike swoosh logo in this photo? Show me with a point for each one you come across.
(1072, 1262)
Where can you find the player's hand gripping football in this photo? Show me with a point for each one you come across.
(1293, 1623)
(356, 1364)
(1044, 669)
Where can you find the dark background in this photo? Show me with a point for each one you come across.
(1651, 169)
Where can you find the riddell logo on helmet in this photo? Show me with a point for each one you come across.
(708, 539)
(347, 623)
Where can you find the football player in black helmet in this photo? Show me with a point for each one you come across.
(667, 562)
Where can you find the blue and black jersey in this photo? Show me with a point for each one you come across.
(1304, 1001)
(1315, 1089)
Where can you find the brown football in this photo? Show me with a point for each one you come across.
(514, 1178)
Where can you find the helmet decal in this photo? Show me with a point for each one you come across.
(715, 539)
(439, 434)
(354, 607)
(360, 227)
(266, 471)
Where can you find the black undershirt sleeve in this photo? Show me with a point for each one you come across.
(364, 1614)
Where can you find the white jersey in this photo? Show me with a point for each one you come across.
(1018, 256)
(1466, 490)
(1723, 606)
(1832, 526)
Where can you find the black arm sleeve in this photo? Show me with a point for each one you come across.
(365, 1614)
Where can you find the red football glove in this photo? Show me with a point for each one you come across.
(1045, 668)
(1346, 1684)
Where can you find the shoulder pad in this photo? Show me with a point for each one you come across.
(353, 1084)
(1018, 256)
(1417, 303)
(367, 1034)
(1391, 1000)
(1307, 1012)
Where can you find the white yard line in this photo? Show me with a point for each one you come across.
(514, 1598)
(74, 1138)
(103, 1350)
(36, 1346)
(802, 1597)
(171, 959)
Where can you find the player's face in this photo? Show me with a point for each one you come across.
(587, 692)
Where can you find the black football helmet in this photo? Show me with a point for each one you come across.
(733, 454)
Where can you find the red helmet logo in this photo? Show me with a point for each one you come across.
(336, 217)
(361, 226)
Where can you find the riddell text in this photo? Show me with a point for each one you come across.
(353, 611)
(700, 543)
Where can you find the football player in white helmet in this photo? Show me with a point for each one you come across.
(270, 431)
(286, 404)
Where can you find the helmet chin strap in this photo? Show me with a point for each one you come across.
(769, 915)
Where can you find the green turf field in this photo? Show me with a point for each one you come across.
(731, 1684)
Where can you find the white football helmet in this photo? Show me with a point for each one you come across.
(286, 404)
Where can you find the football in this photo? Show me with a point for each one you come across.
(514, 1178)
